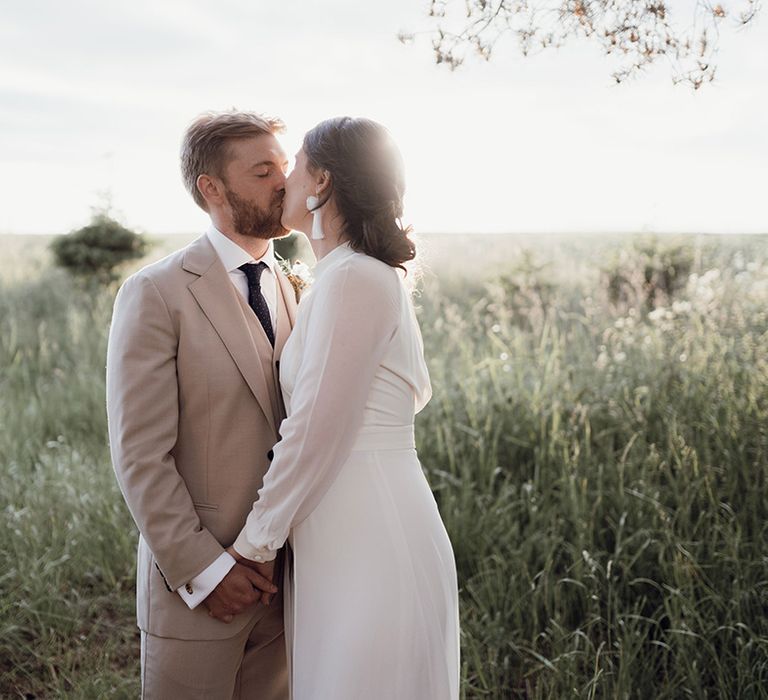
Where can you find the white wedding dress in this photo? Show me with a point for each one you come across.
(371, 602)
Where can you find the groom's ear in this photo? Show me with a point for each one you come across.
(209, 189)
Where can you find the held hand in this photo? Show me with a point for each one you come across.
(265, 569)
(239, 589)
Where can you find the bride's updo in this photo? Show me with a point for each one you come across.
(367, 183)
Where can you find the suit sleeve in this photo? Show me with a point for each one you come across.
(143, 414)
(351, 323)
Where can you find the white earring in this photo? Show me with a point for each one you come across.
(317, 224)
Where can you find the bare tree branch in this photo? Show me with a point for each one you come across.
(639, 31)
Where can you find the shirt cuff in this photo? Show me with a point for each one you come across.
(247, 550)
(202, 585)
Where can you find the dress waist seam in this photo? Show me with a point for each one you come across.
(375, 438)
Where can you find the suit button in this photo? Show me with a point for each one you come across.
(188, 588)
(270, 455)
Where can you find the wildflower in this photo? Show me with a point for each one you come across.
(589, 560)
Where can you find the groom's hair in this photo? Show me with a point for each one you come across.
(205, 147)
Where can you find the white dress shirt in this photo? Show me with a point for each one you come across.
(231, 256)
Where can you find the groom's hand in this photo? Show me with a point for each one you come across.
(265, 569)
(239, 589)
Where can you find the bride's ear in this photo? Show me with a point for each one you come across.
(323, 185)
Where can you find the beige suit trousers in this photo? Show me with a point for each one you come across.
(252, 665)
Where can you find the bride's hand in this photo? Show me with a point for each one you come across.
(266, 569)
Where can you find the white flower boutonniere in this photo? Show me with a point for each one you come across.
(298, 274)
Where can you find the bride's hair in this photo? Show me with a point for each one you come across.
(367, 183)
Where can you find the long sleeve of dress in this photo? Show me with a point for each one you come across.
(354, 315)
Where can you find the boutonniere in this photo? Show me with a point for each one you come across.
(298, 274)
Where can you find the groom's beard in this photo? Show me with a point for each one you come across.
(251, 220)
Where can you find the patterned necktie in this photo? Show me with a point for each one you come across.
(256, 299)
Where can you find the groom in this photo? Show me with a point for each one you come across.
(194, 407)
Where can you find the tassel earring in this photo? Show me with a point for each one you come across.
(317, 223)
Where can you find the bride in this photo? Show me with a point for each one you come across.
(371, 599)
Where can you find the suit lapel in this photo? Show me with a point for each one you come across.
(286, 312)
(286, 316)
(219, 301)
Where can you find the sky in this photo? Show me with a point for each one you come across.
(95, 96)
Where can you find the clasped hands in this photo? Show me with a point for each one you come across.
(246, 583)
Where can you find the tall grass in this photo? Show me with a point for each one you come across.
(68, 542)
(603, 474)
(601, 471)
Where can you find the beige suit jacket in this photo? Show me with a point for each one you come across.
(194, 407)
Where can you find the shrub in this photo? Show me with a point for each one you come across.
(98, 250)
(294, 247)
(650, 272)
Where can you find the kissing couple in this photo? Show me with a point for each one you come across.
(290, 545)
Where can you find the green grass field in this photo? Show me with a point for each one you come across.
(597, 443)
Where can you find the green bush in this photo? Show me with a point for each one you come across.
(97, 251)
(293, 247)
(649, 273)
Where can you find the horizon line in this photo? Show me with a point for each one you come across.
(575, 232)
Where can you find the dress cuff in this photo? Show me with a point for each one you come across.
(202, 585)
(245, 549)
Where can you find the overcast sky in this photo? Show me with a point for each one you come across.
(96, 95)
